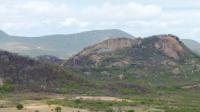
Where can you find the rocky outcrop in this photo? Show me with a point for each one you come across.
(111, 45)
(170, 45)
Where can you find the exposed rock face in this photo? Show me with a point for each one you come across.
(111, 45)
(138, 52)
(170, 45)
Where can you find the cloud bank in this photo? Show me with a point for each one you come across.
(39, 17)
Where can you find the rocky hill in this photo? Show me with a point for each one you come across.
(160, 60)
(130, 50)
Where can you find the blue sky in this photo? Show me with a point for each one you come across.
(137, 17)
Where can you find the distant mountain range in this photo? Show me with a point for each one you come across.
(192, 45)
(62, 46)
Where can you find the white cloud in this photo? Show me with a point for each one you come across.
(38, 17)
(44, 8)
(130, 10)
(74, 22)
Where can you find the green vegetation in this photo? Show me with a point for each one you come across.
(58, 109)
(89, 104)
(19, 106)
(130, 111)
(6, 87)
(145, 75)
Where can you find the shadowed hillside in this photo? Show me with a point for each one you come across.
(23, 73)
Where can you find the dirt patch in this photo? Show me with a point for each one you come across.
(41, 108)
(102, 98)
(191, 86)
(138, 108)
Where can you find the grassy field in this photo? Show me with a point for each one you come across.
(184, 100)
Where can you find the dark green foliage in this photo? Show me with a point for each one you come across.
(130, 111)
(7, 87)
(58, 109)
(19, 106)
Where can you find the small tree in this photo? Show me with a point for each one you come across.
(58, 109)
(19, 106)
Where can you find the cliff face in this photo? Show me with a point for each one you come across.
(110, 45)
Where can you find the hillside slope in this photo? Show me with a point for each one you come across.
(22, 73)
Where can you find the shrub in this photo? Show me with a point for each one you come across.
(37, 111)
(130, 110)
(19, 106)
(77, 101)
(58, 109)
(7, 87)
(109, 110)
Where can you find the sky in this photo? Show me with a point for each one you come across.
(140, 18)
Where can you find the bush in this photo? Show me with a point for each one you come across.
(58, 109)
(19, 106)
(130, 110)
(77, 101)
(6, 87)
(37, 111)
(109, 110)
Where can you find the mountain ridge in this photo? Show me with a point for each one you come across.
(192, 45)
(3, 34)
(66, 45)
(61, 46)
